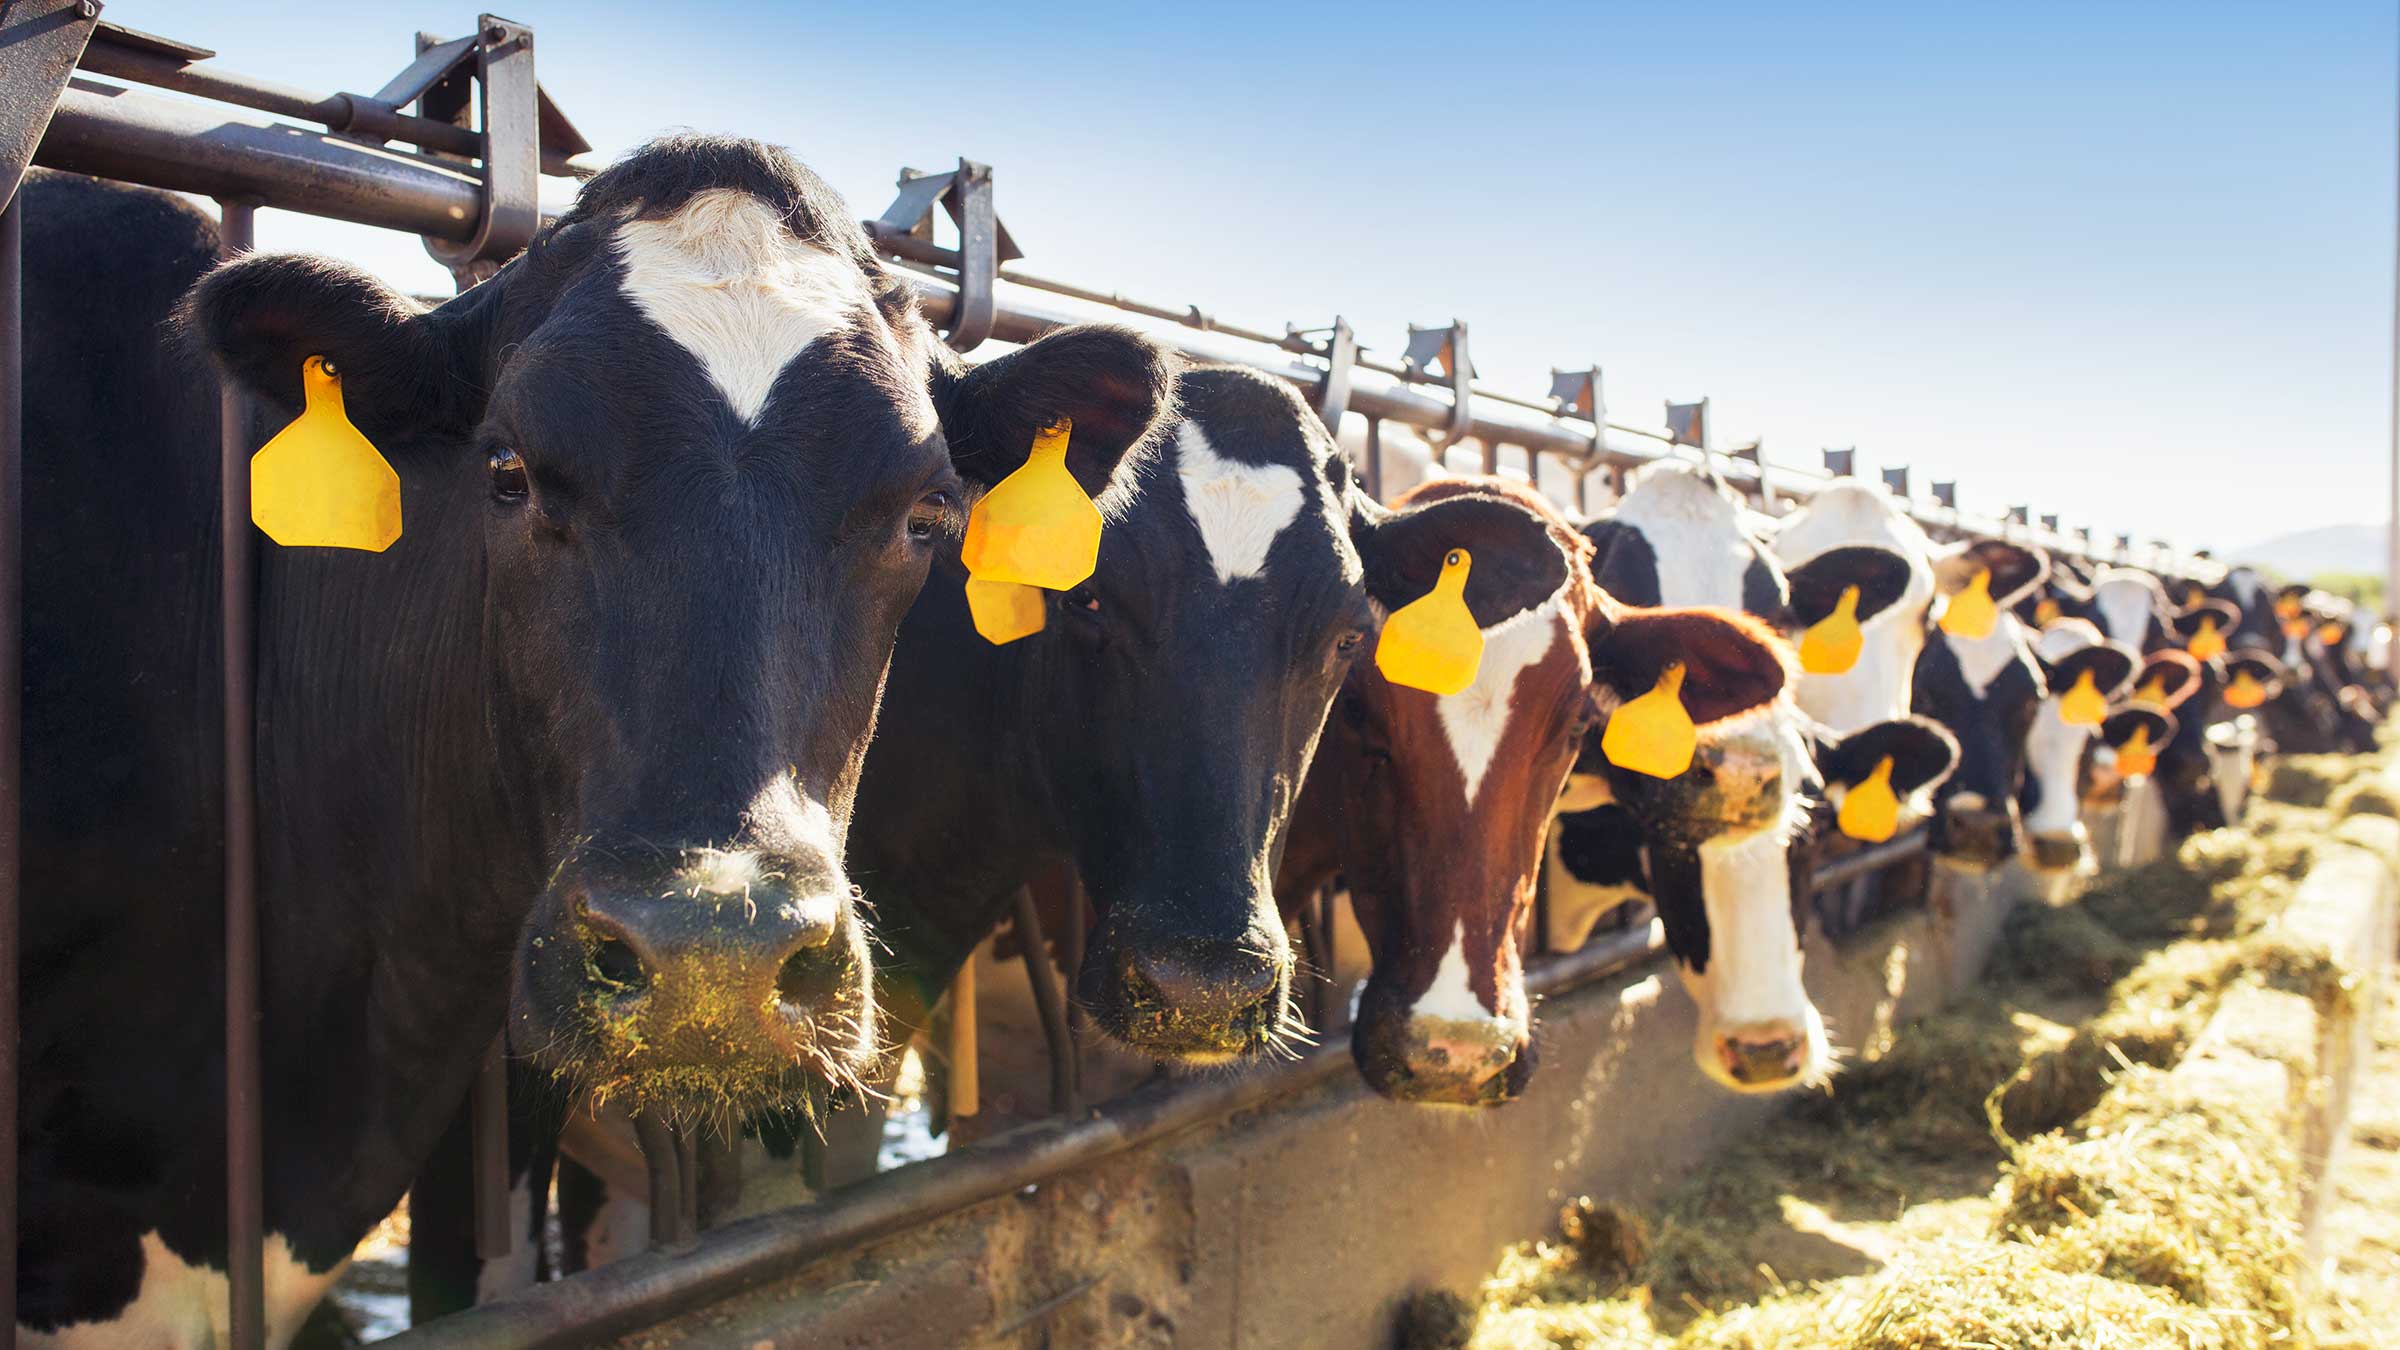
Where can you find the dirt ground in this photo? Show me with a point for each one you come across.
(2357, 1295)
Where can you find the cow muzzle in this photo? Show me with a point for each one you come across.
(1444, 1061)
(1974, 834)
(1190, 998)
(1764, 1056)
(732, 980)
(2052, 854)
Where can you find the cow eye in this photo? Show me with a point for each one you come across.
(1084, 598)
(508, 476)
(1348, 642)
(931, 515)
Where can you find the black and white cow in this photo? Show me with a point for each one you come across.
(1851, 513)
(670, 480)
(1986, 690)
(2050, 801)
(1713, 846)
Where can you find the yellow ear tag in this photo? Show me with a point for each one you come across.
(1432, 643)
(2153, 690)
(2135, 758)
(2047, 611)
(1971, 613)
(2084, 705)
(2244, 691)
(2206, 644)
(2330, 635)
(1653, 734)
(1036, 527)
(2193, 594)
(1830, 646)
(2295, 628)
(1871, 810)
(319, 483)
(2287, 609)
(1005, 611)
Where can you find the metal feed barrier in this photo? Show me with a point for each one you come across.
(454, 149)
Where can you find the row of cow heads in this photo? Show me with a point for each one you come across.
(699, 448)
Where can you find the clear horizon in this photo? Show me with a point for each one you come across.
(2132, 266)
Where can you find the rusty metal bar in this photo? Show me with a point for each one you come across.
(12, 629)
(245, 1190)
(1035, 949)
(646, 1289)
(1874, 858)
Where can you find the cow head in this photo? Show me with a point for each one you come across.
(2132, 607)
(692, 444)
(1444, 799)
(2072, 654)
(1849, 513)
(1985, 689)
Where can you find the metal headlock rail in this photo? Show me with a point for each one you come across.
(453, 149)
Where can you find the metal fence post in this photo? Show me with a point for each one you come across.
(245, 1193)
(12, 588)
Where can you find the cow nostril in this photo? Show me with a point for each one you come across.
(807, 980)
(615, 965)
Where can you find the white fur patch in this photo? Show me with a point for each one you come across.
(1695, 534)
(1452, 993)
(2126, 601)
(1980, 660)
(740, 292)
(1475, 718)
(183, 1307)
(1238, 508)
(1753, 974)
(1882, 683)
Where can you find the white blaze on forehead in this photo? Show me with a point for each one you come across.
(1475, 718)
(731, 285)
(1980, 660)
(1882, 683)
(1238, 508)
(1695, 535)
(2246, 586)
(2126, 603)
(179, 1306)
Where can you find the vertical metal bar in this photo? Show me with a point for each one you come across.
(12, 590)
(1034, 947)
(245, 1192)
(966, 1078)
(1374, 464)
(495, 1235)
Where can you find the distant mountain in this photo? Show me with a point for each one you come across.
(2328, 548)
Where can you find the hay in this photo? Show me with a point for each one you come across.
(2128, 1206)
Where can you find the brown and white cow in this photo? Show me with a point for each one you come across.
(1433, 807)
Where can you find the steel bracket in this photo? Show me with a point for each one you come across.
(1897, 481)
(501, 53)
(40, 42)
(1578, 394)
(1842, 463)
(984, 244)
(2050, 523)
(1341, 362)
(1444, 348)
(1946, 493)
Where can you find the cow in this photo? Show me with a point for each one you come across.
(2050, 801)
(1432, 808)
(573, 756)
(1713, 846)
(1985, 688)
(2132, 607)
(1880, 685)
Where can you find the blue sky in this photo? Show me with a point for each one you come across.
(2127, 262)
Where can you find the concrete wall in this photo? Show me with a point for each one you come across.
(1304, 1225)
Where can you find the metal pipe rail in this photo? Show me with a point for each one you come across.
(653, 1286)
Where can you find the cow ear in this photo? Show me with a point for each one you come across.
(2260, 665)
(404, 370)
(1514, 563)
(2187, 620)
(1731, 663)
(2016, 569)
(2176, 673)
(2120, 725)
(1881, 575)
(1117, 386)
(1921, 750)
(2111, 666)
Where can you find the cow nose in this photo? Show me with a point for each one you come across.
(1223, 977)
(1763, 1057)
(713, 968)
(2056, 852)
(1455, 1059)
